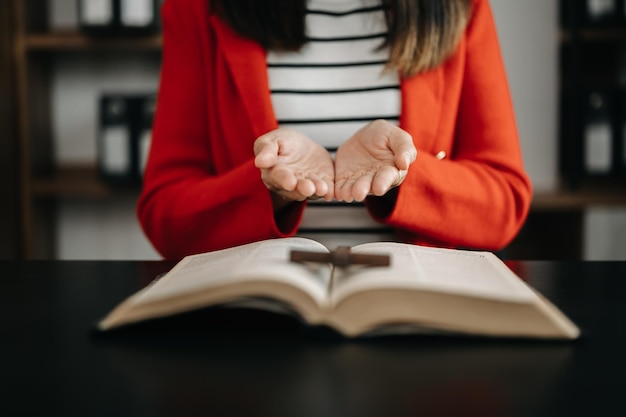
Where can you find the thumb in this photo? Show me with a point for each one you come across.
(403, 160)
(266, 154)
(404, 151)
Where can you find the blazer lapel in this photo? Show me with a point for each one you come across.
(248, 65)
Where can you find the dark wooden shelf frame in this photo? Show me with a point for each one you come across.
(79, 181)
(596, 34)
(72, 41)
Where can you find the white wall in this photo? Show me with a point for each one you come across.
(104, 229)
(528, 35)
(528, 38)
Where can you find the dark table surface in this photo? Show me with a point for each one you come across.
(248, 364)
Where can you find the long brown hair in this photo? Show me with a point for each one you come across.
(422, 33)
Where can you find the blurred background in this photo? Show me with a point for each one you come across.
(77, 87)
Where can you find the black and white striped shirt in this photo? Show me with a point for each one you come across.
(328, 90)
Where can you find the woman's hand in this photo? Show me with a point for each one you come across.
(372, 161)
(293, 166)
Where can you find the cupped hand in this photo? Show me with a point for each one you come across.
(375, 159)
(293, 166)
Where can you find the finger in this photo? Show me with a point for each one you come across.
(282, 179)
(362, 187)
(330, 190)
(291, 196)
(402, 147)
(401, 176)
(404, 160)
(346, 189)
(266, 154)
(343, 189)
(339, 186)
(305, 187)
(321, 186)
(385, 179)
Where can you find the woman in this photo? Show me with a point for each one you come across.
(238, 155)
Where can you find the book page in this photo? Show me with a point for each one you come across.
(478, 274)
(260, 261)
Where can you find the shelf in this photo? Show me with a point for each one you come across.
(72, 41)
(604, 34)
(80, 181)
(83, 181)
(586, 197)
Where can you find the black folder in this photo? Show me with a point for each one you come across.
(115, 139)
(119, 17)
(598, 133)
(138, 17)
(601, 12)
(125, 136)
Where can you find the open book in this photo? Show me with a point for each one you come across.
(423, 288)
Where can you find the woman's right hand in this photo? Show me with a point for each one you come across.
(293, 166)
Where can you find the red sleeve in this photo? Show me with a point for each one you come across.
(479, 196)
(189, 203)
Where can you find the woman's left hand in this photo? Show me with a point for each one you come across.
(372, 161)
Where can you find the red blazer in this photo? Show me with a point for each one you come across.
(202, 191)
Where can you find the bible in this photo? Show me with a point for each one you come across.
(422, 289)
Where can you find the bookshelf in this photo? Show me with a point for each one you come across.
(42, 180)
(593, 94)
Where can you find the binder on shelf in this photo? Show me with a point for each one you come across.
(138, 17)
(125, 136)
(119, 17)
(598, 134)
(115, 147)
(602, 12)
(98, 17)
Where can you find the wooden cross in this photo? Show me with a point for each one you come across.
(341, 257)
